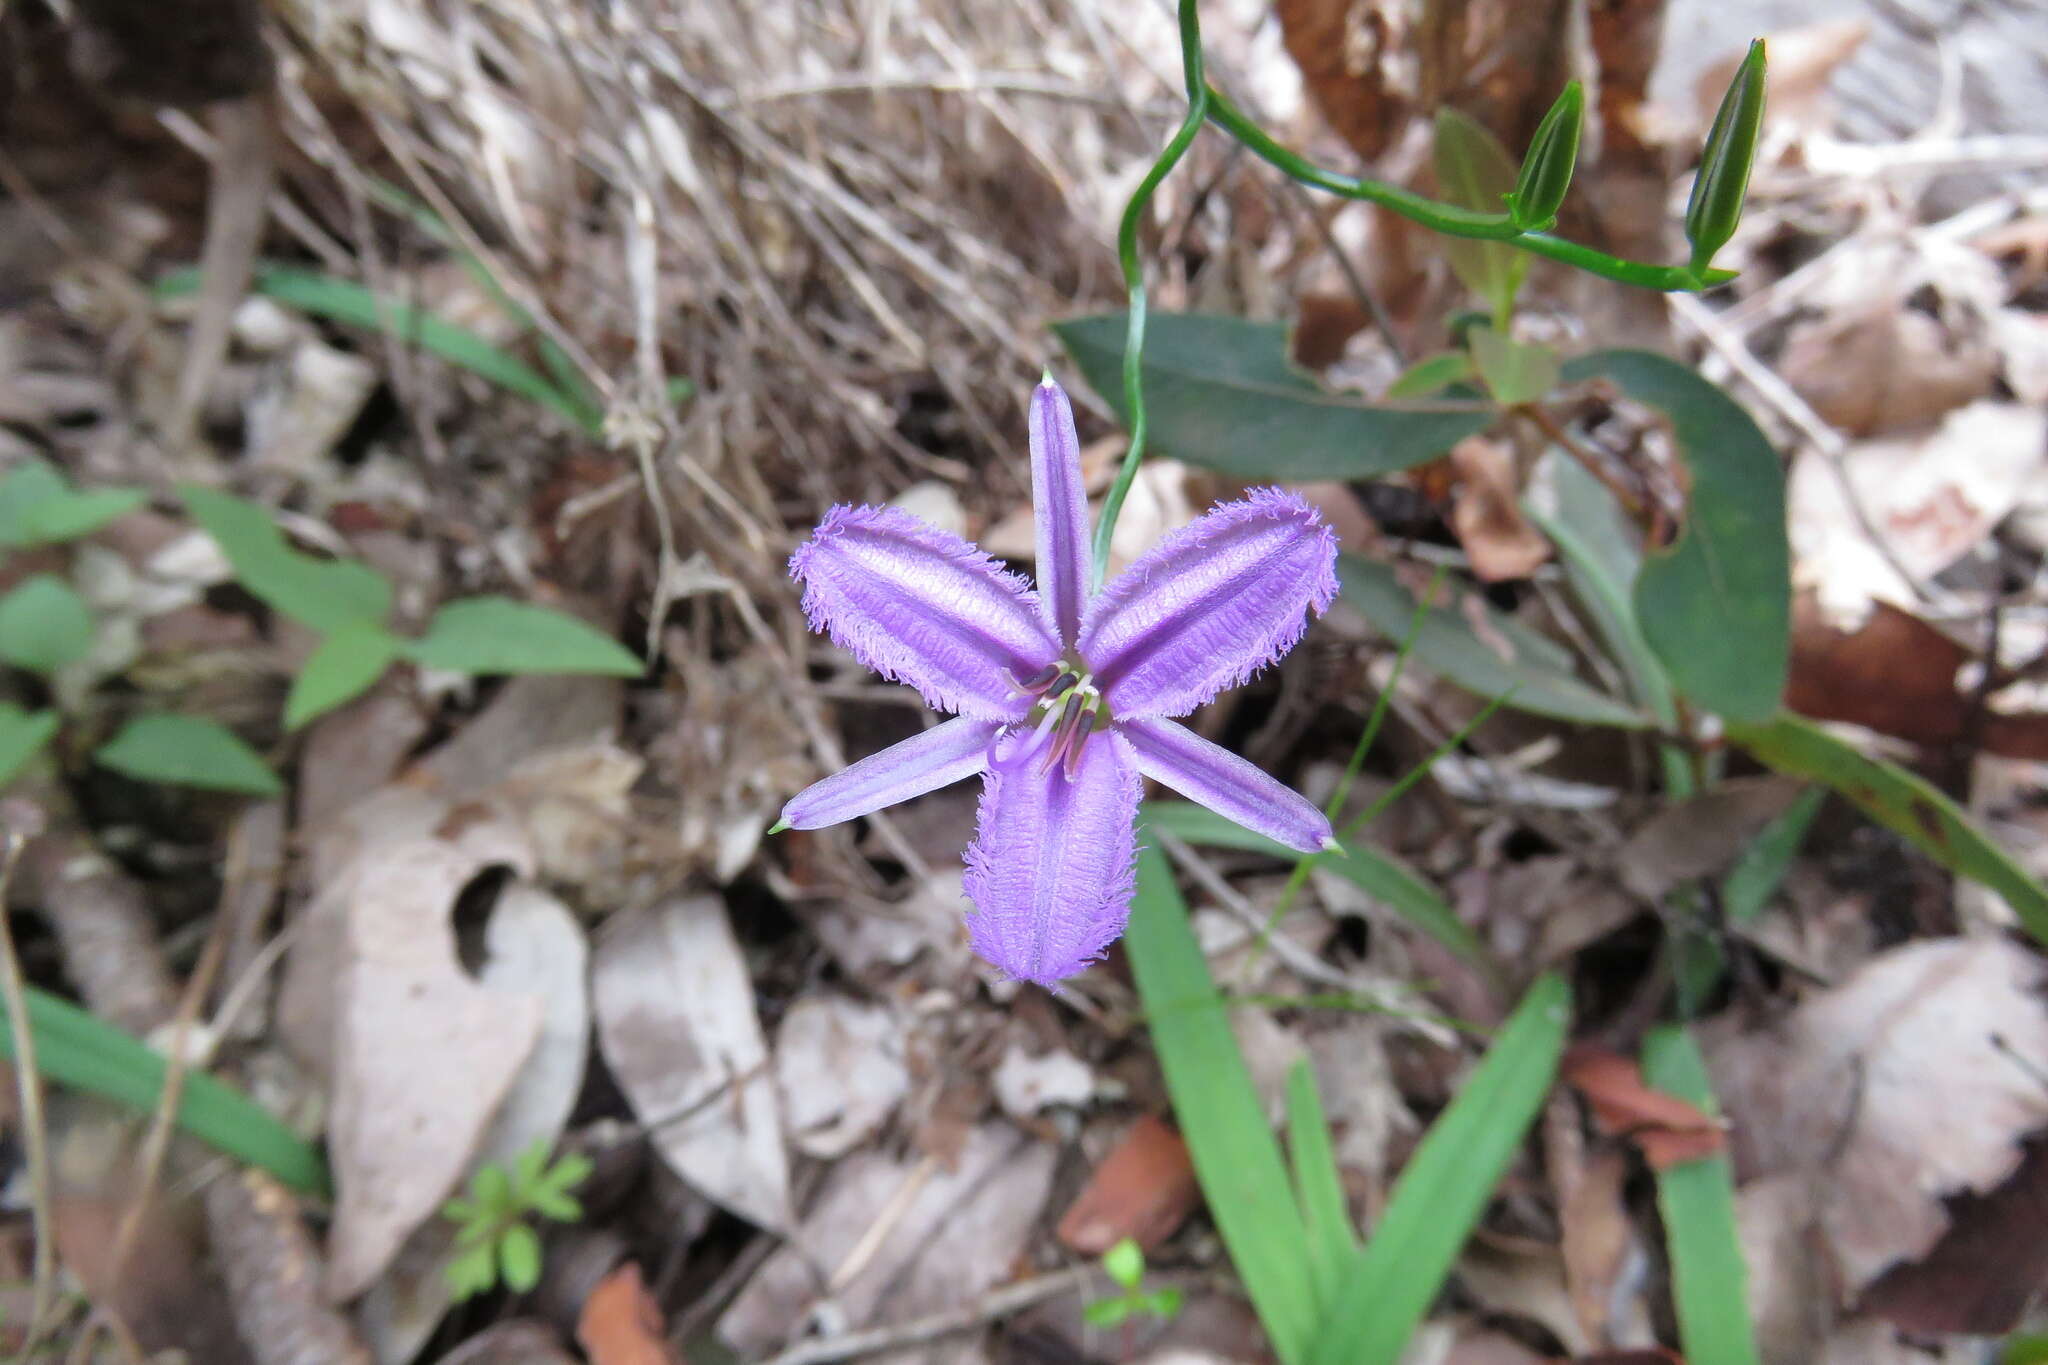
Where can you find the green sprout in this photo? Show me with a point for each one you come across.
(495, 1241)
(1125, 1264)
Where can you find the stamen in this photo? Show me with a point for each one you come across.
(1082, 729)
(1076, 721)
(1036, 684)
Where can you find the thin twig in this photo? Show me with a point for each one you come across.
(1630, 500)
(28, 1084)
(995, 1304)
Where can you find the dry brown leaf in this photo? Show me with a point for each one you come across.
(894, 1239)
(621, 1324)
(424, 1055)
(840, 1069)
(1984, 1273)
(1901, 1087)
(676, 1021)
(1702, 834)
(1933, 496)
(1487, 514)
(1670, 1131)
(1144, 1189)
(1884, 366)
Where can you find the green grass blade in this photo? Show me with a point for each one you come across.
(1708, 1279)
(1235, 1156)
(1318, 1185)
(347, 302)
(1757, 874)
(1446, 1185)
(82, 1050)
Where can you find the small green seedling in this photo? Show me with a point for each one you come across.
(1125, 1264)
(494, 1241)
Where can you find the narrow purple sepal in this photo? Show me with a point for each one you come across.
(1210, 605)
(925, 608)
(1060, 504)
(941, 755)
(1051, 868)
(1235, 788)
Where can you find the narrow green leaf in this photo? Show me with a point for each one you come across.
(38, 507)
(1446, 1186)
(1374, 873)
(1514, 371)
(1715, 206)
(1902, 803)
(1235, 1156)
(44, 624)
(78, 1049)
(1318, 1185)
(1540, 672)
(553, 1203)
(21, 734)
(1709, 1283)
(326, 594)
(1547, 169)
(189, 751)
(1431, 375)
(1222, 394)
(1474, 171)
(1728, 579)
(519, 1258)
(499, 635)
(347, 302)
(1761, 868)
(343, 666)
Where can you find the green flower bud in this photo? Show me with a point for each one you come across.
(1547, 169)
(1717, 192)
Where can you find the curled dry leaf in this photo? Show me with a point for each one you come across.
(1487, 515)
(424, 1054)
(676, 1022)
(840, 1070)
(1669, 1130)
(1144, 1189)
(890, 1240)
(1904, 1086)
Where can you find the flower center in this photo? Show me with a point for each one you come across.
(1069, 708)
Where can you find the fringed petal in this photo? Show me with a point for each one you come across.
(940, 756)
(1060, 504)
(1051, 868)
(1233, 787)
(925, 608)
(1210, 605)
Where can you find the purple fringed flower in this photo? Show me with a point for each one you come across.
(1063, 699)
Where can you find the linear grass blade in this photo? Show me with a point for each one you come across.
(1318, 1185)
(80, 1049)
(1709, 1283)
(1445, 1187)
(1235, 1156)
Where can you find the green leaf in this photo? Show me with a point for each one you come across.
(491, 1187)
(1163, 1303)
(327, 594)
(1124, 1263)
(1758, 872)
(82, 1050)
(38, 507)
(1318, 1185)
(570, 1171)
(1446, 1185)
(499, 635)
(1514, 371)
(344, 665)
(21, 734)
(1539, 671)
(1222, 394)
(1715, 206)
(1431, 375)
(1474, 171)
(552, 1203)
(530, 1165)
(347, 302)
(473, 1272)
(519, 1258)
(1716, 606)
(44, 624)
(1236, 1159)
(189, 751)
(1902, 803)
(1106, 1313)
(1547, 169)
(1371, 871)
(1708, 1279)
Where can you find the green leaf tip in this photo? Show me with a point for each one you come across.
(1723, 180)
(1547, 169)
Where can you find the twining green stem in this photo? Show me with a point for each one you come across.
(1134, 275)
(1207, 104)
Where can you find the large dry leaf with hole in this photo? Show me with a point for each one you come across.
(425, 1054)
(1912, 1082)
(1932, 496)
(676, 1022)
